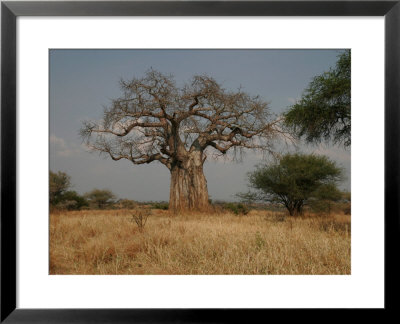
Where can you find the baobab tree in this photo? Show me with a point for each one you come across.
(154, 120)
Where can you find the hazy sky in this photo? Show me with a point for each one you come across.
(82, 82)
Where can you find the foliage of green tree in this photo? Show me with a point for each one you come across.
(58, 184)
(60, 196)
(248, 197)
(324, 110)
(160, 205)
(127, 204)
(71, 200)
(295, 180)
(100, 198)
(324, 198)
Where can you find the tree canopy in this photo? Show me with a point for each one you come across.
(100, 198)
(58, 184)
(155, 120)
(71, 200)
(324, 110)
(295, 180)
(60, 195)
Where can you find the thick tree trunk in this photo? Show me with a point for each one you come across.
(295, 211)
(295, 208)
(188, 190)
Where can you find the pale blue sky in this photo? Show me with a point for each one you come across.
(83, 81)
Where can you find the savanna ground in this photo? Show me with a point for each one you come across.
(262, 242)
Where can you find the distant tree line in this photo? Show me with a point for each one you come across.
(294, 182)
(62, 197)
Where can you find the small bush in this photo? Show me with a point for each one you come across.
(100, 199)
(160, 205)
(237, 208)
(140, 218)
(126, 204)
(69, 200)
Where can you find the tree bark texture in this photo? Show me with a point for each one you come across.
(188, 190)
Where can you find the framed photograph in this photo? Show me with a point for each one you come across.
(195, 161)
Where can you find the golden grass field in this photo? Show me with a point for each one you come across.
(262, 242)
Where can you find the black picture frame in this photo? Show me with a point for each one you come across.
(9, 13)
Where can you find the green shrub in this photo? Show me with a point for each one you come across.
(127, 204)
(237, 208)
(100, 199)
(71, 200)
(160, 205)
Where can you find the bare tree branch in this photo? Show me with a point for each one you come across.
(154, 120)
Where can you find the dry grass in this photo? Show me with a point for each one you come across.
(109, 242)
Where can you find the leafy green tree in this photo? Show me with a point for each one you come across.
(100, 198)
(325, 198)
(324, 110)
(60, 196)
(58, 184)
(295, 180)
(127, 204)
(73, 201)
